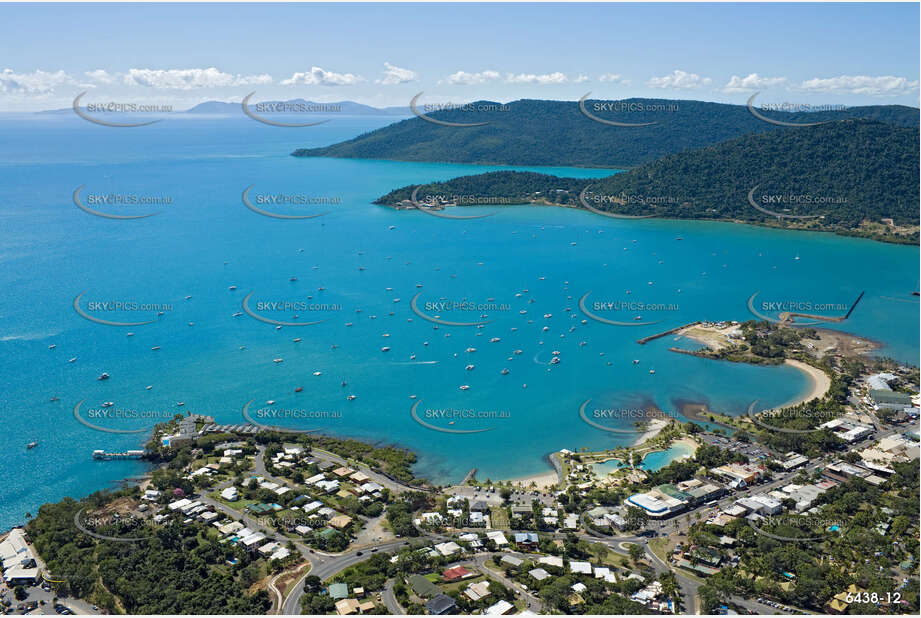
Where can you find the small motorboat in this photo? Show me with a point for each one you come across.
(293, 279)
(180, 403)
(32, 444)
(298, 389)
(156, 347)
(469, 350)
(55, 398)
(296, 340)
(469, 367)
(52, 346)
(317, 373)
(73, 360)
(270, 402)
(464, 387)
(232, 288)
(385, 349)
(351, 397)
(278, 360)
(237, 314)
(494, 340)
(108, 404)
(103, 376)
(504, 372)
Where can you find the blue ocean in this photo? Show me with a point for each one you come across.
(368, 366)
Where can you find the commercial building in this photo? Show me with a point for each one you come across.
(19, 563)
(889, 400)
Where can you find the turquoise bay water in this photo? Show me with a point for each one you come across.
(206, 241)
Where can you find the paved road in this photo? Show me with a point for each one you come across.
(534, 603)
(325, 566)
(393, 485)
(390, 600)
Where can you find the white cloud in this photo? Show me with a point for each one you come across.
(190, 79)
(470, 79)
(321, 77)
(861, 84)
(101, 75)
(752, 82)
(613, 78)
(396, 75)
(35, 83)
(581, 78)
(679, 80)
(531, 78)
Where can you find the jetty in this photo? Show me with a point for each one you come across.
(645, 340)
(102, 455)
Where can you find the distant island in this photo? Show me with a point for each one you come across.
(851, 177)
(348, 108)
(558, 133)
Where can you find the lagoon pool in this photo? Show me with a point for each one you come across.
(651, 462)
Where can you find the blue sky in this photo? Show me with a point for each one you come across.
(383, 54)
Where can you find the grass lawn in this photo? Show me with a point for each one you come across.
(499, 519)
(238, 505)
(659, 547)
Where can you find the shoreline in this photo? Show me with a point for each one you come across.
(760, 224)
(820, 383)
(545, 480)
(652, 429)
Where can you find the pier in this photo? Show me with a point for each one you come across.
(644, 340)
(102, 455)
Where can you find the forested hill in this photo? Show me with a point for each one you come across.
(853, 174)
(534, 132)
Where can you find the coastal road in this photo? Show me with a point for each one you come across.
(392, 484)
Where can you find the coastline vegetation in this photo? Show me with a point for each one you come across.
(856, 178)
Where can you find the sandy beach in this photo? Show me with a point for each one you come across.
(652, 430)
(541, 481)
(820, 382)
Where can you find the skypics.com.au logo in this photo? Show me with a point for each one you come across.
(94, 112)
(266, 204)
